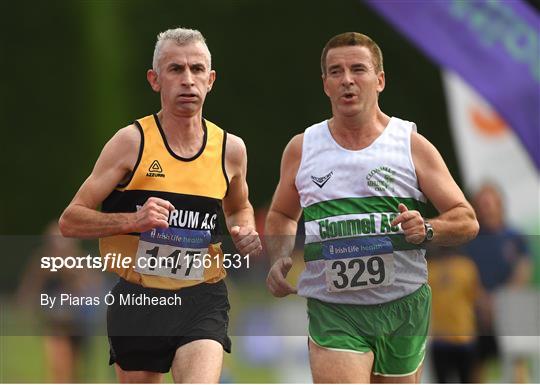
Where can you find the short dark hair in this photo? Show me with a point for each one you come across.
(351, 39)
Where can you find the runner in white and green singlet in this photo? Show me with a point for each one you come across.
(362, 180)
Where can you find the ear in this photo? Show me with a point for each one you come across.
(381, 81)
(211, 79)
(323, 76)
(153, 79)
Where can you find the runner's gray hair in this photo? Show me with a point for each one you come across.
(182, 37)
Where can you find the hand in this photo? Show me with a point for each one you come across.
(246, 240)
(412, 224)
(153, 214)
(276, 282)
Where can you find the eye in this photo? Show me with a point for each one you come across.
(198, 69)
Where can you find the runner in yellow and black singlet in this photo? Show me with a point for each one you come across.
(162, 182)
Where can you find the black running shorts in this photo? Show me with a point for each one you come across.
(146, 326)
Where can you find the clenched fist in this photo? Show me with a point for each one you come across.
(153, 214)
(246, 240)
(412, 224)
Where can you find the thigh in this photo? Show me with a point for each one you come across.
(137, 376)
(413, 378)
(199, 361)
(400, 353)
(334, 366)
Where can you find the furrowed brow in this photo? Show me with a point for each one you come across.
(175, 66)
(334, 67)
(359, 65)
(198, 66)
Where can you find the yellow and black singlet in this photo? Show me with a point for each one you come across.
(185, 254)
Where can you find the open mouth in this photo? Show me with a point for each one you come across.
(187, 98)
(348, 95)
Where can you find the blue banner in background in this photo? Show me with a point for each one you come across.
(493, 45)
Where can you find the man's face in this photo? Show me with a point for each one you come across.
(184, 77)
(351, 81)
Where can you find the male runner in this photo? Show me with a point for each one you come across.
(361, 179)
(161, 182)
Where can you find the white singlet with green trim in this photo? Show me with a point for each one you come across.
(349, 198)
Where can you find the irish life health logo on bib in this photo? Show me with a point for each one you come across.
(358, 263)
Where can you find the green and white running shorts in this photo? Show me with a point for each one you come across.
(396, 331)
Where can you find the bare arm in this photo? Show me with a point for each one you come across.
(282, 220)
(456, 222)
(285, 210)
(236, 207)
(238, 211)
(116, 161)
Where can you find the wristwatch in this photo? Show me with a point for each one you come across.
(429, 231)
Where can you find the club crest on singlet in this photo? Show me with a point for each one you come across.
(381, 178)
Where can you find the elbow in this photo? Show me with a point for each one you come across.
(473, 227)
(66, 228)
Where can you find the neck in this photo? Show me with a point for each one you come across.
(358, 131)
(184, 134)
(182, 128)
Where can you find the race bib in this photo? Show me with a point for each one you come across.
(358, 263)
(173, 253)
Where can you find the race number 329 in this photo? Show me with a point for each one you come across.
(359, 273)
(358, 263)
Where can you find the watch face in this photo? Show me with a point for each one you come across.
(429, 232)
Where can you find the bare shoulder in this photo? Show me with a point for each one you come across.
(113, 166)
(420, 145)
(122, 150)
(235, 150)
(293, 150)
(295, 144)
(424, 154)
(433, 175)
(127, 138)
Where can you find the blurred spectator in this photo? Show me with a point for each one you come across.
(502, 257)
(66, 328)
(456, 289)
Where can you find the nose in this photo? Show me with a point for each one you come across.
(187, 79)
(347, 79)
